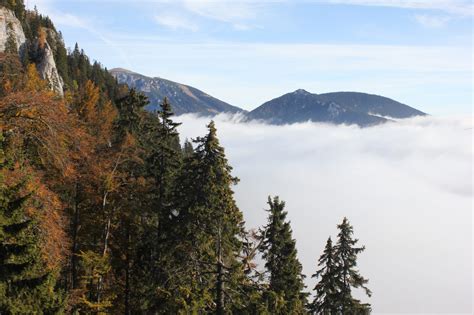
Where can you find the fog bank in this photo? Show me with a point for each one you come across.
(406, 187)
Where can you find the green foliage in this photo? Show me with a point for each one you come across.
(11, 46)
(208, 227)
(188, 149)
(11, 73)
(95, 268)
(17, 6)
(130, 108)
(286, 285)
(26, 284)
(326, 299)
(346, 271)
(165, 156)
(338, 275)
(60, 57)
(79, 70)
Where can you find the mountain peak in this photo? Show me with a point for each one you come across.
(121, 70)
(338, 108)
(184, 98)
(300, 91)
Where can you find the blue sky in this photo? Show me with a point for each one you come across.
(247, 52)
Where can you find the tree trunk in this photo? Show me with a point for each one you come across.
(220, 277)
(75, 230)
(106, 242)
(127, 276)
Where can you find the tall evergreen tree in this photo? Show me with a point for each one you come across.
(326, 295)
(163, 157)
(209, 227)
(129, 108)
(286, 285)
(27, 286)
(347, 273)
(188, 149)
(166, 156)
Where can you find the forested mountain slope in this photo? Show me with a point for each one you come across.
(185, 99)
(337, 108)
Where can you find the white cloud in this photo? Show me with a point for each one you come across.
(432, 21)
(176, 22)
(458, 7)
(406, 187)
(237, 13)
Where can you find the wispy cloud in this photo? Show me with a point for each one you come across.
(239, 14)
(176, 22)
(432, 21)
(458, 7)
(65, 19)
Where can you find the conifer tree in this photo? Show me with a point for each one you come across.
(347, 273)
(188, 148)
(129, 107)
(11, 44)
(209, 227)
(159, 139)
(325, 301)
(166, 156)
(286, 285)
(27, 286)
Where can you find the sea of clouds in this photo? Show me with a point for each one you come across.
(405, 186)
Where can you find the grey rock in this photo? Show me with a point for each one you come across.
(47, 69)
(9, 23)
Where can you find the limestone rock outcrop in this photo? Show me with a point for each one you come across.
(47, 69)
(9, 24)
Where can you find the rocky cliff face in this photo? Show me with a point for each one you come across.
(11, 26)
(47, 68)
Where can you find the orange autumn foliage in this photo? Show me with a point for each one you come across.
(34, 83)
(42, 35)
(45, 208)
(97, 116)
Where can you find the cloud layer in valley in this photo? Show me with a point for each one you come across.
(406, 187)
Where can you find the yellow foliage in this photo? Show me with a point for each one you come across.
(42, 37)
(34, 83)
(88, 103)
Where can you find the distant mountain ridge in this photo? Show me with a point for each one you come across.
(357, 108)
(184, 98)
(338, 108)
(372, 104)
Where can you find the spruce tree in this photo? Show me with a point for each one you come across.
(325, 301)
(11, 46)
(129, 108)
(27, 286)
(347, 273)
(209, 228)
(166, 157)
(187, 149)
(286, 285)
(163, 158)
